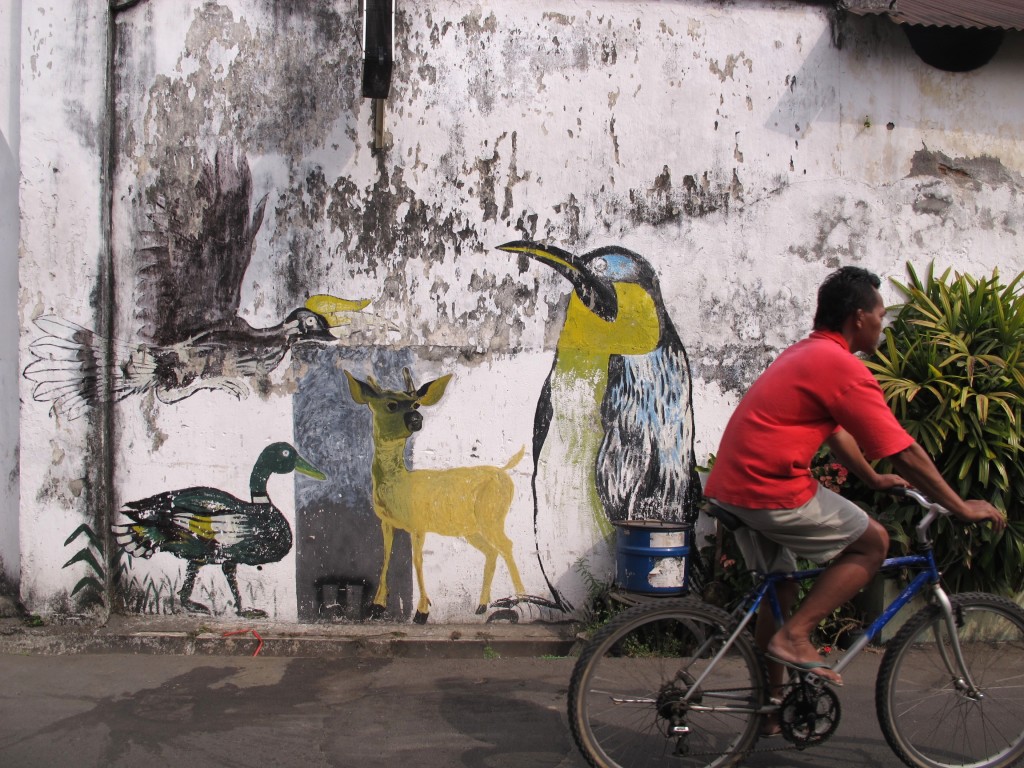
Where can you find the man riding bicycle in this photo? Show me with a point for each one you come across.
(817, 392)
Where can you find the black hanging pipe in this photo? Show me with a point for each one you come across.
(101, 422)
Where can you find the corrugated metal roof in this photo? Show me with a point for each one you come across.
(979, 14)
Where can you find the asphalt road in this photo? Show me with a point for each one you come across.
(114, 710)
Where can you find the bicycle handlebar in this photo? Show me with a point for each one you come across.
(935, 511)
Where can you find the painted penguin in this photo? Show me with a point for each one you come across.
(613, 432)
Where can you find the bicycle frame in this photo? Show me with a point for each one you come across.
(927, 575)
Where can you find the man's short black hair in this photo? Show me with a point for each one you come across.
(844, 292)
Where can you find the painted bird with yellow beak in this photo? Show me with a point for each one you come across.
(613, 431)
(190, 267)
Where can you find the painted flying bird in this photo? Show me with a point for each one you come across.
(72, 371)
(190, 271)
(613, 431)
(206, 526)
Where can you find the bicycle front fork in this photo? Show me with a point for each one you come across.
(956, 666)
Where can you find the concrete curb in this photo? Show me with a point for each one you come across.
(189, 637)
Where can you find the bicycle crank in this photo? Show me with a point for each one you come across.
(809, 715)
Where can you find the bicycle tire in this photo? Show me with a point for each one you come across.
(929, 719)
(626, 689)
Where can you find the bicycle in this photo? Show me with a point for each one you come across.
(681, 683)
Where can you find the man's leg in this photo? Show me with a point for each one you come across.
(842, 580)
(786, 591)
(765, 630)
(763, 554)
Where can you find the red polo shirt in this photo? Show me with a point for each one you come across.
(813, 388)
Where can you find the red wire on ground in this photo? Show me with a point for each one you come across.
(254, 634)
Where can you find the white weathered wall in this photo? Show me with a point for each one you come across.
(735, 147)
(10, 129)
(63, 111)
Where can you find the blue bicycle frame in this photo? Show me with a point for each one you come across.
(927, 574)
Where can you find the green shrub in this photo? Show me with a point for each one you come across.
(952, 369)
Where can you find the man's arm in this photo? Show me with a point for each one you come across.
(845, 448)
(916, 465)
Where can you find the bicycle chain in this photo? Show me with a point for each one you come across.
(815, 690)
(783, 746)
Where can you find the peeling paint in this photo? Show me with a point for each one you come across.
(965, 171)
(934, 199)
(287, 108)
(732, 61)
(734, 367)
(841, 233)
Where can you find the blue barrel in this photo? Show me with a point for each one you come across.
(652, 557)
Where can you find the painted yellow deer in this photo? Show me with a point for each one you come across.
(465, 502)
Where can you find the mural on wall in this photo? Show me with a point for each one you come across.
(613, 428)
(613, 431)
(207, 526)
(219, 102)
(470, 503)
(189, 286)
(338, 544)
(92, 554)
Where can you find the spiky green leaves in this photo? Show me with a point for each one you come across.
(952, 369)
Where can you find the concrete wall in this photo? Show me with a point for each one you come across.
(63, 116)
(729, 156)
(10, 71)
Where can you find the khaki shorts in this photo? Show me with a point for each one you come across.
(817, 531)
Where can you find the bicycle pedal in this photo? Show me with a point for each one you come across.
(816, 680)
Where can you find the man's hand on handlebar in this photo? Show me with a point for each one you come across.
(915, 463)
(973, 510)
(886, 482)
(979, 511)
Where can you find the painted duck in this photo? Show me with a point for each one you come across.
(207, 526)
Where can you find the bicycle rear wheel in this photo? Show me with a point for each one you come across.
(627, 704)
(928, 715)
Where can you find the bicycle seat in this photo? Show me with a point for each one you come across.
(725, 517)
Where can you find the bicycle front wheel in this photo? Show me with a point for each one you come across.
(927, 710)
(639, 695)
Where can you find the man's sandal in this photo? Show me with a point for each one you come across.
(806, 666)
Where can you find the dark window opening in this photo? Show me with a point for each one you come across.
(954, 49)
